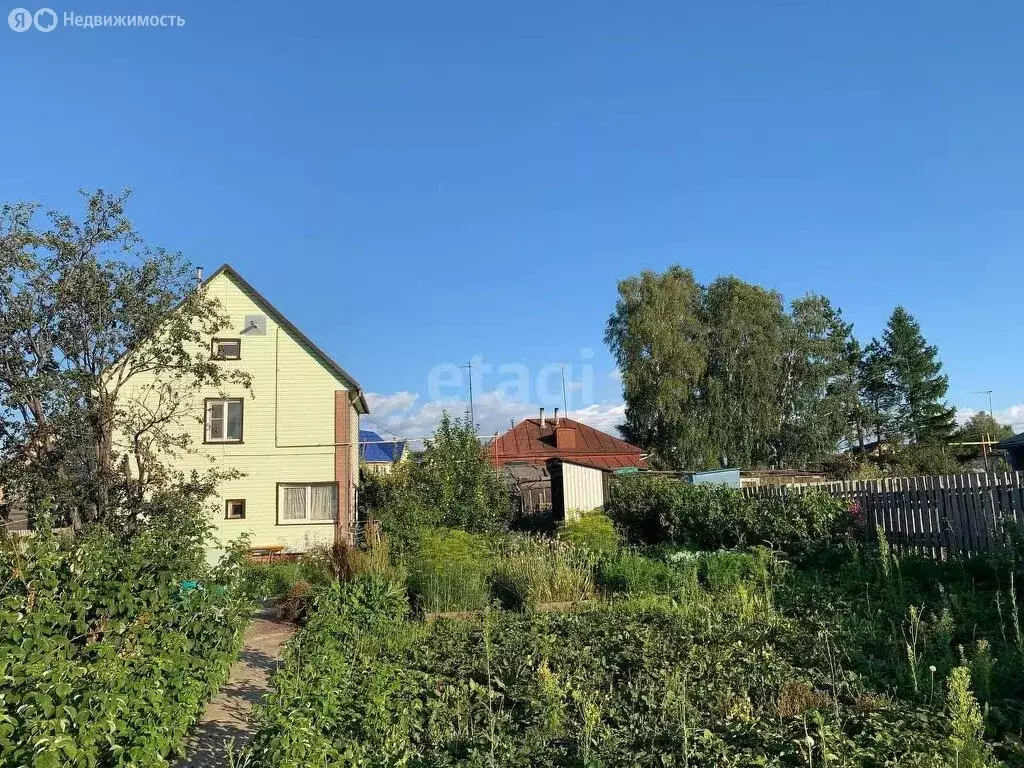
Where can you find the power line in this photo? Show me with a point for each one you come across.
(382, 428)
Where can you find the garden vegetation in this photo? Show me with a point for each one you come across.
(110, 648)
(749, 635)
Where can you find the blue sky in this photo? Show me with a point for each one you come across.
(417, 184)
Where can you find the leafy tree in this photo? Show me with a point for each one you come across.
(452, 484)
(916, 378)
(76, 297)
(981, 426)
(456, 478)
(723, 374)
(659, 337)
(818, 384)
(748, 329)
(878, 397)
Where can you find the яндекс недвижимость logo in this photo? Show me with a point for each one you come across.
(46, 20)
(22, 19)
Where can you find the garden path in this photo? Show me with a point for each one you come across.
(226, 719)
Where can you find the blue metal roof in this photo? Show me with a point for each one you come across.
(375, 449)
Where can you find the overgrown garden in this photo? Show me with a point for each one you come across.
(110, 647)
(704, 629)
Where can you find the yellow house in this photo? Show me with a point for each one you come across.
(294, 435)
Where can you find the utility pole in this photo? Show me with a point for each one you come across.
(986, 438)
(472, 415)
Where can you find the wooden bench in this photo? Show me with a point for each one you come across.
(270, 554)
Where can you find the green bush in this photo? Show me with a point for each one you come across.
(265, 580)
(592, 531)
(453, 484)
(367, 596)
(632, 573)
(723, 571)
(448, 571)
(110, 648)
(710, 517)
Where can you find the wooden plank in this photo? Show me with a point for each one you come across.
(999, 491)
(946, 536)
(965, 515)
(992, 511)
(885, 514)
(915, 525)
(893, 507)
(929, 510)
(952, 520)
(902, 501)
(992, 508)
(973, 522)
(924, 513)
(876, 500)
(984, 514)
(1017, 495)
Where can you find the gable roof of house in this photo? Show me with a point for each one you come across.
(376, 450)
(529, 442)
(1017, 441)
(360, 401)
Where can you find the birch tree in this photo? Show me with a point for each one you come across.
(87, 310)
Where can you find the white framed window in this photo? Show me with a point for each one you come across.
(234, 509)
(226, 349)
(224, 420)
(307, 503)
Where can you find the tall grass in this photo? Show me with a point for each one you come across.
(531, 570)
(448, 571)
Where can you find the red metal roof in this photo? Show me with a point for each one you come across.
(528, 442)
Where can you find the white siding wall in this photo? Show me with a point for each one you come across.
(583, 489)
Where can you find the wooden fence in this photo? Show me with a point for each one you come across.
(935, 515)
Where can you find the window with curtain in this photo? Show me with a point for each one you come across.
(224, 421)
(308, 503)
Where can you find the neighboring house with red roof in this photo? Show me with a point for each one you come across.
(562, 465)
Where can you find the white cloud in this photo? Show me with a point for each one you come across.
(1014, 416)
(403, 413)
(604, 416)
(382, 405)
(615, 375)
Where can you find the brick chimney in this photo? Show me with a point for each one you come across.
(565, 439)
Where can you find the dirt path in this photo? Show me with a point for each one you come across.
(226, 718)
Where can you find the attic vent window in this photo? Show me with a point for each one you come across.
(226, 349)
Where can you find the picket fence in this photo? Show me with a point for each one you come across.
(935, 515)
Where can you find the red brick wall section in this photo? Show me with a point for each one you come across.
(344, 472)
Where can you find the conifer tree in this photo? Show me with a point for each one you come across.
(915, 372)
